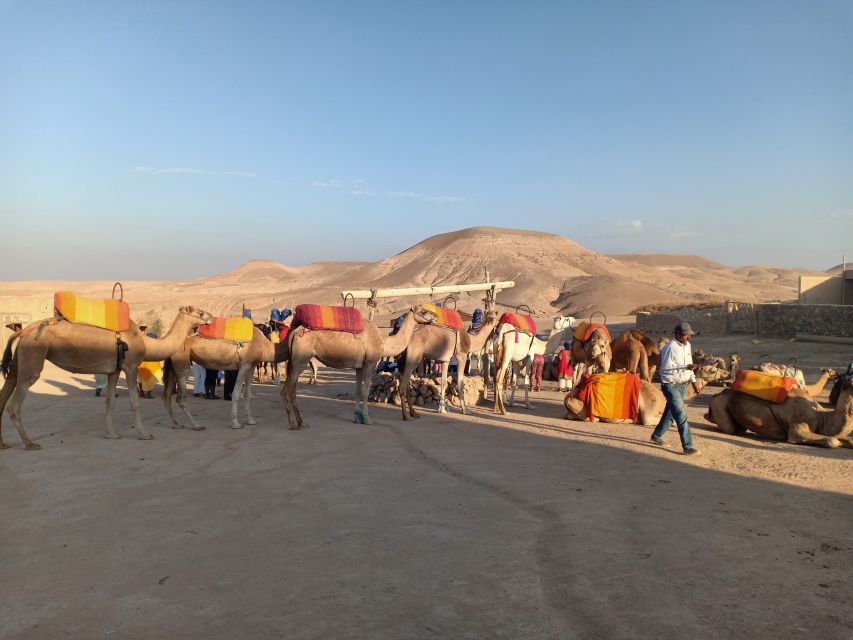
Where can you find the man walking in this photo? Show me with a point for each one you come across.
(676, 372)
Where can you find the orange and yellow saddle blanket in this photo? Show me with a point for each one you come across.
(149, 374)
(763, 385)
(614, 396)
(584, 330)
(523, 323)
(319, 317)
(105, 314)
(230, 329)
(449, 318)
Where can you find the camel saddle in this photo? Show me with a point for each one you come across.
(448, 318)
(764, 386)
(584, 330)
(317, 317)
(230, 329)
(113, 315)
(614, 396)
(523, 323)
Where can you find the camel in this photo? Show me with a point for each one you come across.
(514, 348)
(441, 344)
(341, 350)
(593, 354)
(796, 420)
(219, 354)
(812, 390)
(630, 354)
(652, 404)
(81, 348)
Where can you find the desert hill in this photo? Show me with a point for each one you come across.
(553, 274)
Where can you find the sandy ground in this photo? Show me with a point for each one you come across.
(449, 527)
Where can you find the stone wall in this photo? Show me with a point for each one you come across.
(708, 321)
(787, 320)
(767, 320)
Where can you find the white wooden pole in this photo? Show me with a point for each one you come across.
(366, 294)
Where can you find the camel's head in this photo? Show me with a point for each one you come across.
(422, 315)
(831, 374)
(197, 316)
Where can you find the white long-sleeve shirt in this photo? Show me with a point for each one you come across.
(674, 358)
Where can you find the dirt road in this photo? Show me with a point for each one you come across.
(448, 527)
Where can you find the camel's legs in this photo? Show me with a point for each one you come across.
(505, 356)
(720, 416)
(5, 394)
(313, 364)
(286, 398)
(846, 441)
(411, 361)
(130, 376)
(513, 381)
(460, 386)
(363, 382)
(15, 403)
(442, 388)
(182, 403)
(359, 377)
(801, 434)
(169, 378)
(247, 381)
(112, 380)
(525, 366)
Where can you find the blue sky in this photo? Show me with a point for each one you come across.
(179, 139)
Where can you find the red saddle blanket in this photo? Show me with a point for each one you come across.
(106, 314)
(449, 318)
(231, 329)
(584, 330)
(614, 396)
(323, 318)
(522, 323)
(763, 385)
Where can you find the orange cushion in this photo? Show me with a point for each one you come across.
(231, 329)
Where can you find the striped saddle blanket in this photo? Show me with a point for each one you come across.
(106, 314)
(319, 317)
(584, 330)
(614, 396)
(150, 370)
(230, 329)
(520, 322)
(449, 318)
(762, 385)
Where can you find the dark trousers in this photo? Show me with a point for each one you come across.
(230, 381)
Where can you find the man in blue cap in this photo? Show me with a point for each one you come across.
(676, 372)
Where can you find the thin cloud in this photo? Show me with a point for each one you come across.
(328, 184)
(362, 192)
(841, 215)
(180, 170)
(631, 227)
(445, 199)
(401, 194)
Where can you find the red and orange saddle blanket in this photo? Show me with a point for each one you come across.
(520, 322)
(763, 385)
(105, 314)
(613, 396)
(319, 317)
(230, 329)
(449, 318)
(584, 330)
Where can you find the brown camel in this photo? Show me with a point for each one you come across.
(592, 355)
(341, 350)
(441, 344)
(652, 404)
(630, 354)
(80, 348)
(796, 420)
(219, 354)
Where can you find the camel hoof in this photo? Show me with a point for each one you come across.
(197, 428)
(368, 421)
(178, 426)
(32, 446)
(147, 436)
(236, 425)
(250, 420)
(112, 436)
(3, 445)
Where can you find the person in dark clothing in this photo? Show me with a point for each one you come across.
(210, 376)
(230, 381)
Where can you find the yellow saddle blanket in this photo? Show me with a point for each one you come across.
(106, 314)
(761, 385)
(232, 329)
